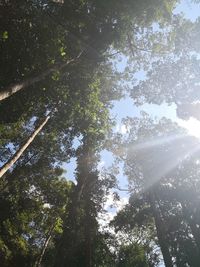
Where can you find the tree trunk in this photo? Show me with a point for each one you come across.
(66, 240)
(88, 252)
(160, 231)
(88, 228)
(14, 88)
(45, 245)
(69, 238)
(192, 224)
(21, 150)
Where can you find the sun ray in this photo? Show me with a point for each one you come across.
(167, 164)
(157, 141)
(158, 158)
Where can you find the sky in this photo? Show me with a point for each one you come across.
(125, 107)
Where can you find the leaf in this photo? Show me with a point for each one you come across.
(62, 51)
(56, 76)
(5, 35)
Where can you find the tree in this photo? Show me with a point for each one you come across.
(28, 214)
(159, 160)
(132, 255)
(20, 151)
(168, 81)
(46, 220)
(14, 88)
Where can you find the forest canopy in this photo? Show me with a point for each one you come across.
(64, 66)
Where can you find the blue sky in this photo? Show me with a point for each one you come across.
(125, 107)
(190, 10)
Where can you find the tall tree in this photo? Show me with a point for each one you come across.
(157, 157)
(20, 151)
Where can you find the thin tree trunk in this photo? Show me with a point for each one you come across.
(160, 231)
(45, 245)
(21, 150)
(14, 88)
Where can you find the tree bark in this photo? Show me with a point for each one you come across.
(88, 229)
(45, 245)
(192, 224)
(66, 239)
(21, 150)
(160, 231)
(14, 88)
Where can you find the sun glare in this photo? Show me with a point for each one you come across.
(192, 126)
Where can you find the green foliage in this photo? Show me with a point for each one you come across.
(37, 205)
(163, 177)
(5, 35)
(132, 255)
